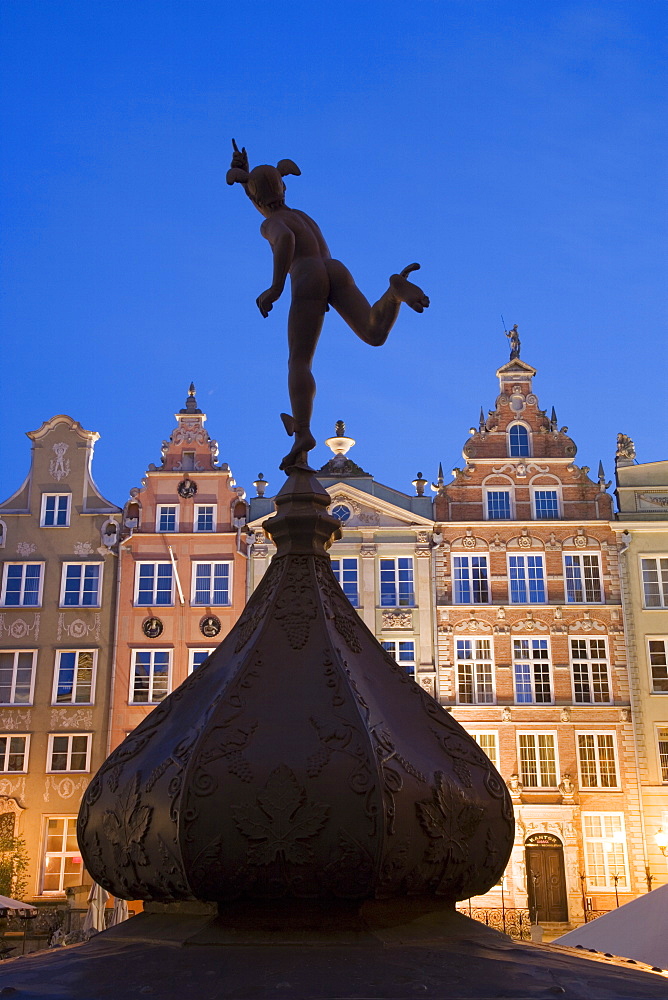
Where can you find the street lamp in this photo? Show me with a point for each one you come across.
(661, 838)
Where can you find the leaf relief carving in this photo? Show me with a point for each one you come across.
(449, 819)
(126, 826)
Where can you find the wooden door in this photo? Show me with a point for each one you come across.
(546, 882)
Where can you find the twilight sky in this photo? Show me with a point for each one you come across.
(516, 149)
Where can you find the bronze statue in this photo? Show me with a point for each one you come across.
(318, 281)
(514, 338)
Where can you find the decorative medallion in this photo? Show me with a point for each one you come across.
(187, 488)
(210, 626)
(341, 511)
(152, 628)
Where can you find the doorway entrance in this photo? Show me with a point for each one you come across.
(546, 878)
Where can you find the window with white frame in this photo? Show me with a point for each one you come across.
(346, 572)
(531, 667)
(403, 651)
(498, 506)
(62, 865)
(527, 579)
(196, 658)
(654, 574)
(151, 670)
(538, 759)
(69, 752)
(597, 760)
(17, 676)
(583, 578)
(471, 580)
(475, 678)
(14, 752)
(74, 677)
(167, 517)
(22, 585)
(657, 650)
(211, 583)
(81, 585)
(605, 850)
(205, 517)
(154, 583)
(55, 510)
(396, 582)
(591, 683)
(489, 742)
(519, 444)
(662, 740)
(545, 504)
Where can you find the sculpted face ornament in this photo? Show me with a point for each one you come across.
(187, 488)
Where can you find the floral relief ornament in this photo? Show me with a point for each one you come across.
(449, 819)
(25, 548)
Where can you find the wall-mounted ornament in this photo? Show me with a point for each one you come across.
(187, 488)
(152, 628)
(210, 626)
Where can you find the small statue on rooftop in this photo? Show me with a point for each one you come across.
(514, 338)
(625, 447)
(318, 281)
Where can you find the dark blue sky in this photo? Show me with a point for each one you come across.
(516, 149)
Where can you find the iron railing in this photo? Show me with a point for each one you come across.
(512, 920)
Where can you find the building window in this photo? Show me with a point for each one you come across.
(197, 657)
(211, 583)
(605, 850)
(583, 578)
(662, 735)
(658, 664)
(538, 759)
(475, 682)
(403, 651)
(22, 585)
(13, 753)
(345, 571)
(81, 585)
(518, 441)
(69, 752)
(205, 517)
(488, 741)
(655, 582)
(150, 676)
(154, 583)
(55, 510)
(17, 672)
(531, 664)
(63, 864)
(396, 583)
(597, 760)
(591, 684)
(74, 677)
(527, 579)
(498, 505)
(471, 580)
(167, 517)
(342, 511)
(546, 504)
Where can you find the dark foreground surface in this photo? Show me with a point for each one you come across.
(434, 955)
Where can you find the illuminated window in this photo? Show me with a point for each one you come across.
(591, 683)
(69, 752)
(597, 760)
(531, 665)
(80, 586)
(22, 585)
(55, 510)
(658, 664)
(205, 517)
(403, 651)
(167, 517)
(396, 583)
(62, 865)
(149, 682)
(527, 579)
(655, 582)
(605, 850)
(538, 759)
(154, 583)
(662, 736)
(74, 677)
(489, 742)
(518, 441)
(13, 752)
(475, 681)
(211, 583)
(345, 571)
(17, 674)
(471, 580)
(583, 578)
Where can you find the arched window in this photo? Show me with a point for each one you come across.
(518, 441)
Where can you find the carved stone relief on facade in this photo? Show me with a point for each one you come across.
(19, 627)
(398, 619)
(65, 718)
(368, 551)
(15, 720)
(473, 625)
(59, 467)
(83, 549)
(429, 685)
(497, 545)
(529, 624)
(586, 624)
(64, 788)
(13, 788)
(369, 517)
(79, 629)
(25, 548)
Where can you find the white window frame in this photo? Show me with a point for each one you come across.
(205, 531)
(5, 578)
(4, 758)
(155, 563)
(551, 488)
(133, 663)
(16, 653)
(661, 730)
(397, 582)
(471, 581)
(616, 819)
(580, 554)
(63, 583)
(56, 676)
(589, 660)
(70, 826)
(479, 734)
(506, 488)
(338, 570)
(396, 655)
(662, 584)
(474, 660)
(191, 656)
(532, 661)
(158, 515)
(68, 770)
(68, 513)
(599, 787)
(519, 423)
(650, 673)
(525, 577)
(536, 733)
(210, 603)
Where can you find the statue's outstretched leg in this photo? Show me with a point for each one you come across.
(372, 323)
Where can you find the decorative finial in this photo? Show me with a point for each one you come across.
(260, 485)
(601, 478)
(419, 483)
(340, 428)
(440, 481)
(481, 422)
(191, 402)
(553, 420)
(514, 338)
